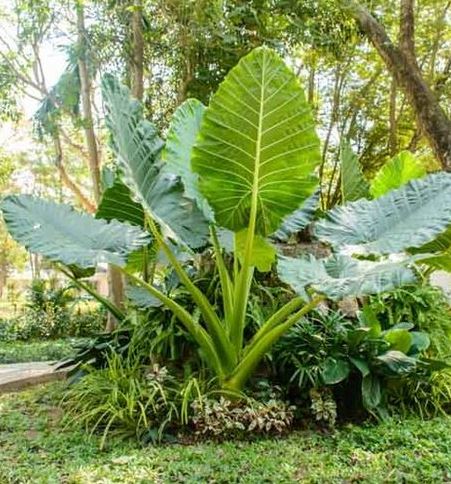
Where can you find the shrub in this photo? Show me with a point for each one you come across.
(224, 418)
(360, 360)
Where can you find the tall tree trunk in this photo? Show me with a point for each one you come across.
(115, 283)
(138, 51)
(88, 120)
(431, 118)
(65, 178)
(393, 122)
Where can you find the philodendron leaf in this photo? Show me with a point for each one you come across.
(299, 219)
(353, 184)
(361, 365)
(407, 217)
(257, 146)
(399, 339)
(371, 391)
(334, 371)
(397, 362)
(395, 173)
(339, 276)
(263, 253)
(138, 147)
(64, 235)
(182, 134)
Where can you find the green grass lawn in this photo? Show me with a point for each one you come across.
(45, 350)
(35, 448)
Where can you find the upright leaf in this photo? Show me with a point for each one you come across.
(340, 276)
(183, 131)
(64, 235)
(138, 148)
(257, 146)
(395, 173)
(353, 184)
(407, 217)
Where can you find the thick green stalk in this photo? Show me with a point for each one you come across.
(224, 276)
(243, 285)
(277, 318)
(248, 364)
(214, 325)
(195, 329)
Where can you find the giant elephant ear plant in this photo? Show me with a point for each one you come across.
(246, 163)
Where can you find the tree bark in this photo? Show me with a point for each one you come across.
(392, 137)
(138, 51)
(88, 120)
(431, 118)
(65, 178)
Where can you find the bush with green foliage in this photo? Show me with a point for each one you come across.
(53, 312)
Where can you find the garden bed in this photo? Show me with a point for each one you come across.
(36, 350)
(37, 448)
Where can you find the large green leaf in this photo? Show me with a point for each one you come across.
(64, 235)
(407, 217)
(299, 219)
(395, 173)
(257, 145)
(138, 148)
(339, 276)
(397, 362)
(335, 370)
(437, 252)
(117, 204)
(353, 184)
(182, 134)
(371, 391)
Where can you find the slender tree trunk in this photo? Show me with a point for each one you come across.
(65, 178)
(401, 62)
(393, 122)
(138, 51)
(115, 283)
(88, 120)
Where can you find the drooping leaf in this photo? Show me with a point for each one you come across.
(263, 253)
(353, 184)
(399, 339)
(257, 145)
(117, 204)
(298, 220)
(334, 371)
(64, 235)
(361, 365)
(339, 276)
(395, 173)
(397, 362)
(407, 217)
(182, 134)
(138, 148)
(371, 391)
